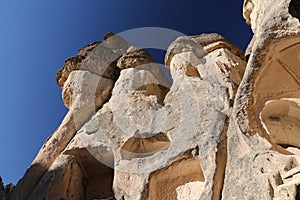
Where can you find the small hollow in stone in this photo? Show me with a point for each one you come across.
(281, 119)
(163, 183)
(137, 147)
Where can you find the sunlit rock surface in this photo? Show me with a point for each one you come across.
(226, 126)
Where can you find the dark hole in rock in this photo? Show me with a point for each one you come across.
(274, 118)
(297, 197)
(294, 8)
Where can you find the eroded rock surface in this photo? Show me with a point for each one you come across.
(86, 87)
(262, 135)
(223, 128)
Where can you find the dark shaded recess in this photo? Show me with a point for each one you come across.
(294, 8)
(247, 57)
(98, 178)
(297, 197)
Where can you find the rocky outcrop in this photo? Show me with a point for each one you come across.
(223, 128)
(262, 136)
(155, 149)
(5, 191)
(140, 128)
(86, 87)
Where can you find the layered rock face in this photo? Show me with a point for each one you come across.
(223, 128)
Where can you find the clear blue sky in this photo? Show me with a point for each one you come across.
(37, 36)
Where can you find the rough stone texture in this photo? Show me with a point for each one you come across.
(80, 177)
(72, 64)
(86, 90)
(263, 138)
(204, 44)
(162, 140)
(223, 129)
(189, 191)
(182, 139)
(134, 57)
(98, 57)
(83, 87)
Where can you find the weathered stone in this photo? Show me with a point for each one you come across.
(85, 88)
(82, 177)
(102, 60)
(134, 57)
(201, 45)
(264, 123)
(99, 58)
(63, 180)
(72, 64)
(147, 137)
(189, 191)
(164, 183)
(150, 132)
(84, 94)
(214, 133)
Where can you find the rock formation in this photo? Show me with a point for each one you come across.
(263, 132)
(226, 127)
(5, 191)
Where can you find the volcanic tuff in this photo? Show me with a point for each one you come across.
(226, 127)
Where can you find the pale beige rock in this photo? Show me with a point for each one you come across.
(200, 46)
(189, 191)
(85, 87)
(84, 94)
(264, 122)
(140, 59)
(164, 183)
(147, 137)
(214, 133)
(280, 119)
(131, 184)
(55, 144)
(248, 7)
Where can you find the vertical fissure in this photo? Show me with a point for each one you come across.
(221, 161)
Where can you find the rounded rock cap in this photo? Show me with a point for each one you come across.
(201, 45)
